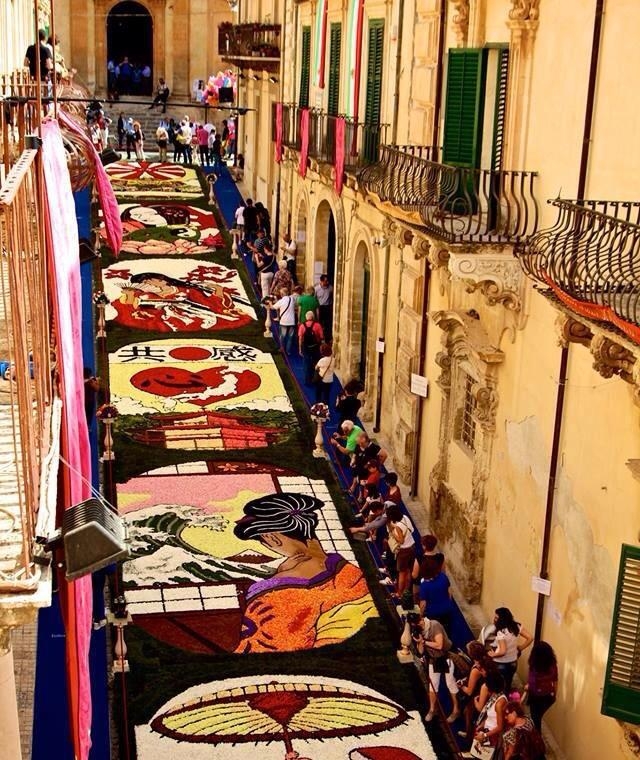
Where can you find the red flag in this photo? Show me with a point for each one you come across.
(340, 150)
(304, 141)
(278, 152)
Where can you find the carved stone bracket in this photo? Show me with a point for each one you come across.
(397, 233)
(497, 276)
(460, 21)
(443, 360)
(486, 406)
(612, 354)
(434, 254)
(524, 10)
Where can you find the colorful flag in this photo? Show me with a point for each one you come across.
(339, 154)
(278, 150)
(355, 23)
(304, 141)
(320, 43)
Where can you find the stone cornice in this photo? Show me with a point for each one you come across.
(460, 21)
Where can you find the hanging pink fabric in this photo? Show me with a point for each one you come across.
(304, 141)
(278, 152)
(65, 288)
(340, 153)
(106, 196)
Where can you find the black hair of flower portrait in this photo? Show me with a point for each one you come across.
(292, 514)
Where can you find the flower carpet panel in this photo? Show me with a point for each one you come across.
(144, 179)
(167, 229)
(281, 718)
(183, 376)
(197, 581)
(175, 295)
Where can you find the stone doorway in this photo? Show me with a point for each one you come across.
(300, 236)
(130, 40)
(325, 243)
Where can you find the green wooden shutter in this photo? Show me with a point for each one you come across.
(499, 119)
(621, 696)
(333, 92)
(373, 104)
(305, 67)
(464, 108)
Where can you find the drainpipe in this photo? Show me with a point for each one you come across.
(383, 327)
(564, 353)
(424, 331)
(437, 106)
(396, 94)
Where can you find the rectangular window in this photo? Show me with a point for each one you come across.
(621, 695)
(464, 109)
(305, 67)
(335, 49)
(373, 104)
(467, 426)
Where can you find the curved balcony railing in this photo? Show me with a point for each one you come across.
(455, 204)
(248, 41)
(590, 260)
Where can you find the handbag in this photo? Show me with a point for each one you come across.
(319, 377)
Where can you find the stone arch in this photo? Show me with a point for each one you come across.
(130, 33)
(157, 10)
(359, 323)
(300, 234)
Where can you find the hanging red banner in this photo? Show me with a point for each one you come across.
(340, 153)
(278, 150)
(304, 141)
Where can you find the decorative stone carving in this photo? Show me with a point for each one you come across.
(497, 276)
(466, 351)
(612, 358)
(572, 331)
(460, 21)
(524, 10)
(396, 233)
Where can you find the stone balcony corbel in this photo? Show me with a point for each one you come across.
(498, 276)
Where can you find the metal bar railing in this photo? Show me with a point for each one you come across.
(591, 253)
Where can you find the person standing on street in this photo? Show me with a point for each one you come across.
(121, 130)
(324, 294)
(310, 338)
(250, 222)
(39, 58)
(203, 145)
(289, 250)
(286, 308)
(162, 138)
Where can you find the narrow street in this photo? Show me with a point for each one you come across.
(253, 623)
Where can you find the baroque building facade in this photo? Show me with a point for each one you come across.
(445, 163)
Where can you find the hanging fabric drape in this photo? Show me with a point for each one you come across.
(106, 196)
(340, 153)
(355, 24)
(278, 148)
(65, 289)
(320, 43)
(304, 141)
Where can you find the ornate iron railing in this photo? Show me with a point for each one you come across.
(456, 204)
(361, 141)
(244, 41)
(590, 259)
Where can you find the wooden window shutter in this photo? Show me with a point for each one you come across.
(621, 696)
(305, 67)
(333, 93)
(499, 121)
(373, 106)
(464, 110)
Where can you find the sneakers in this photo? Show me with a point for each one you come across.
(453, 717)
(429, 716)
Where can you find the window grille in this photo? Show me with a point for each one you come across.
(467, 421)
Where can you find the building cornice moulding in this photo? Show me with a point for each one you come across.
(497, 276)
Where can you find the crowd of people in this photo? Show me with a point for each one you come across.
(127, 78)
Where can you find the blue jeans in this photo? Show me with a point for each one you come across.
(287, 334)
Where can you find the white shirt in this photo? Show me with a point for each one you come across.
(185, 130)
(324, 295)
(240, 216)
(290, 250)
(325, 369)
(406, 527)
(286, 308)
(511, 642)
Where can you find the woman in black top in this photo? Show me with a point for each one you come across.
(348, 404)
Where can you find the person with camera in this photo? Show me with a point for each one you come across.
(431, 641)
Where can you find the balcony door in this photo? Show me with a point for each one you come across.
(373, 103)
(333, 89)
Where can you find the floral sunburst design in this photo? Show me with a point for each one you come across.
(145, 169)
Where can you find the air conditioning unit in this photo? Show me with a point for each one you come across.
(93, 536)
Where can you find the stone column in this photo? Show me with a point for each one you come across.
(179, 50)
(9, 726)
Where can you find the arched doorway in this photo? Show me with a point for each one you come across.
(325, 242)
(130, 40)
(325, 263)
(360, 294)
(300, 236)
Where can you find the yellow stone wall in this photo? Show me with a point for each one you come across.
(185, 39)
(17, 32)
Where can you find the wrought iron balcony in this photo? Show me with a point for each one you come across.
(455, 204)
(590, 260)
(255, 45)
(361, 141)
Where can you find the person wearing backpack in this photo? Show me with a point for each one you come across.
(433, 642)
(310, 338)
